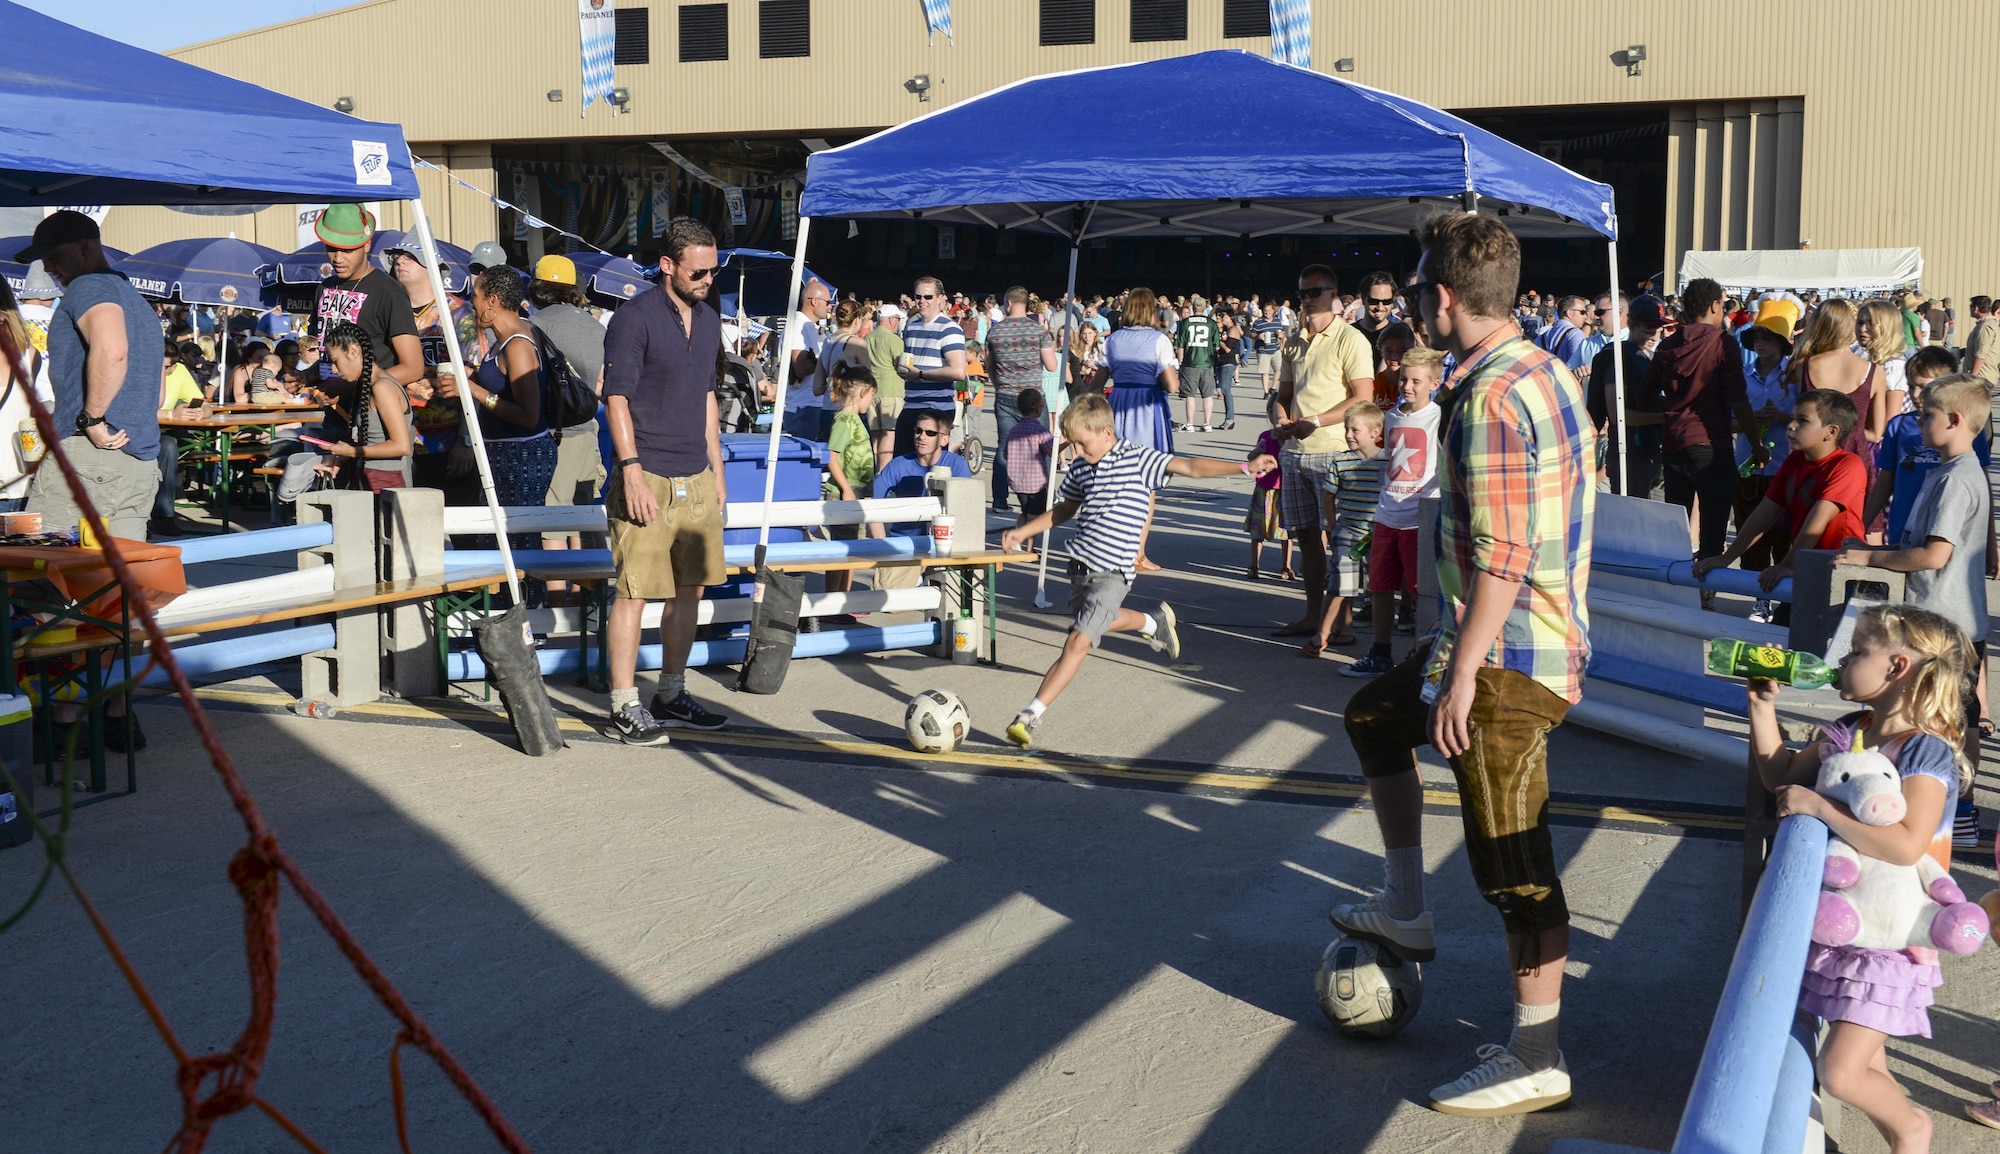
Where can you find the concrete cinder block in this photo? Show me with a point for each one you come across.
(1821, 591)
(412, 535)
(350, 672)
(964, 500)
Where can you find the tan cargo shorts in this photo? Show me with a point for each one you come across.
(681, 546)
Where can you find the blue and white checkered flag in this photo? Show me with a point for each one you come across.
(598, 21)
(1291, 32)
(937, 17)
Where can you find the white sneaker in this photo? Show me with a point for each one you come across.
(1413, 939)
(1501, 1085)
(1760, 612)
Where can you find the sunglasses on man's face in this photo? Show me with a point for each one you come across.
(927, 296)
(1381, 302)
(701, 274)
(1315, 292)
(923, 432)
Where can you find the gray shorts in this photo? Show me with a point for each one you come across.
(119, 484)
(1095, 597)
(1198, 381)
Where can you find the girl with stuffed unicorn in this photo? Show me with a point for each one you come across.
(1907, 668)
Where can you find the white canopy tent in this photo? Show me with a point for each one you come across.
(1842, 271)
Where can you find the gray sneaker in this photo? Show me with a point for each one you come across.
(635, 726)
(1501, 1085)
(1166, 634)
(1412, 939)
(684, 712)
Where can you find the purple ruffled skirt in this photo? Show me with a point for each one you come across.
(1886, 990)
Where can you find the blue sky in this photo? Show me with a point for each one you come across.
(159, 25)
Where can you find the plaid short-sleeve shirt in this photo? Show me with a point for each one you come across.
(1517, 488)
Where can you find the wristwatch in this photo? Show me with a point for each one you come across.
(84, 420)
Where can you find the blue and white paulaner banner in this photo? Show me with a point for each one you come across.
(598, 22)
(937, 18)
(1291, 32)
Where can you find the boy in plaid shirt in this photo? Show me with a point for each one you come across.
(1026, 452)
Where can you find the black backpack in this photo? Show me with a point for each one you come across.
(567, 399)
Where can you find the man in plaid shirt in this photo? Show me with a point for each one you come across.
(1026, 451)
(1516, 482)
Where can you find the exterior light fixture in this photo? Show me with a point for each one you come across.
(555, 96)
(1631, 57)
(621, 97)
(919, 86)
(344, 104)
(1344, 64)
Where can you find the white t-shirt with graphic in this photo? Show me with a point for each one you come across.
(1410, 443)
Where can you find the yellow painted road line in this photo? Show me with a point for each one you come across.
(1044, 764)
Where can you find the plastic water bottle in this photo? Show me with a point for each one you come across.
(319, 709)
(1728, 657)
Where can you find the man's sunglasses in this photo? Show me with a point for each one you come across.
(700, 274)
(1315, 293)
(927, 296)
(1381, 302)
(923, 432)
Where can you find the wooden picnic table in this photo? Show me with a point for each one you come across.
(216, 435)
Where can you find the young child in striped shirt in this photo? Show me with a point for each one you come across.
(1353, 486)
(1107, 493)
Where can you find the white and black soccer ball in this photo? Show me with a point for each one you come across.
(1366, 990)
(936, 721)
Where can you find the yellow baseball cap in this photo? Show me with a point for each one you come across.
(556, 270)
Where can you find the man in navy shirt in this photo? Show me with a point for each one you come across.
(667, 491)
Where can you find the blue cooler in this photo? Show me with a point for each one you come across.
(16, 749)
(800, 465)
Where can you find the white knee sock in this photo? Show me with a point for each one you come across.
(1534, 1040)
(1403, 882)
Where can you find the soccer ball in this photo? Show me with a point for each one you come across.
(1366, 990)
(936, 721)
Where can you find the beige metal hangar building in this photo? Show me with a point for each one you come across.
(1838, 123)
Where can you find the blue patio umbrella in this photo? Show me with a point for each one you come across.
(308, 266)
(17, 273)
(202, 271)
(614, 278)
(761, 279)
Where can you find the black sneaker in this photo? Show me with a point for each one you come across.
(684, 712)
(635, 726)
(114, 735)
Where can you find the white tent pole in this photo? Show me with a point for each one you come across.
(222, 351)
(784, 379)
(742, 309)
(457, 356)
(1618, 376)
(1050, 410)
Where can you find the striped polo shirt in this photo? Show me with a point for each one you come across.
(1356, 484)
(927, 342)
(1112, 496)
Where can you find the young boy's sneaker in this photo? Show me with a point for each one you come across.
(1760, 612)
(684, 712)
(1166, 634)
(635, 726)
(1965, 825)
(1022, 731)
(1373, 665)
(1501, 1084)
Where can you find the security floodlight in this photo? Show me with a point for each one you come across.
(344, 104)
(1344, 64)
(555, 96)
(621, 97)
(919, 86)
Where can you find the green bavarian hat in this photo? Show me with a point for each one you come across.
(345, 226)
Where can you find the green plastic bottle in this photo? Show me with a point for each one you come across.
(1728, 657)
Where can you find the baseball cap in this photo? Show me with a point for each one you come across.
(487, 254)
(887, 311)
(345, 225)
(407, 243)
(57, 229)
(38, 285)
(555, 269)
(1648, 311)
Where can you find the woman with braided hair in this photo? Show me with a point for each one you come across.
(368, 428)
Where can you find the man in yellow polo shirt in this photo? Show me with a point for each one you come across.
(1325, 367)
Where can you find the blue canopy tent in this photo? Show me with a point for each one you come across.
(1354, 160)
(87, 120)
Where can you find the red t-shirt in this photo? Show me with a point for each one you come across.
(1839, 477)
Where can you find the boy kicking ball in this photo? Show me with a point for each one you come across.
(1107, 493)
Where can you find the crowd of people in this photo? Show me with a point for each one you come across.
(1798, 422)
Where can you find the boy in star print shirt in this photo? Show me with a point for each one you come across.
(1410, 443)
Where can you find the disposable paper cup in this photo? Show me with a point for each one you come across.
(942, 528)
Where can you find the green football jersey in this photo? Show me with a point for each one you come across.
(1197, 341)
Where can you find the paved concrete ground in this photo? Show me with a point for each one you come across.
(795, 937)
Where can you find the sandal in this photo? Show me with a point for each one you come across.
(1985, 728)
(1288, 575)
(1311, 649)
(1146, 565)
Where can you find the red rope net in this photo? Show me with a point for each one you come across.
(214, 1086)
